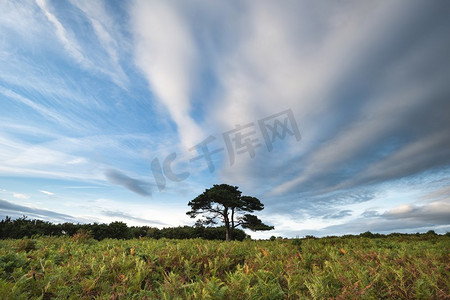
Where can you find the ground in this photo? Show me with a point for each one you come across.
(407, 267)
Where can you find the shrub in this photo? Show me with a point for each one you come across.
(83, 236)
(26, 245)
(310, 237)
(367, 234)
(297, 242)
(10, 262)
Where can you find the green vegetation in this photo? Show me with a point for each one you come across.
(353, 267)
(24, 227)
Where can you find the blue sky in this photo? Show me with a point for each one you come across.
(106, 104)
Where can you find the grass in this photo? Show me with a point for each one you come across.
(406, 267)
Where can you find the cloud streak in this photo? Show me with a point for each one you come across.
(134, 185)
(47, 113)
(15, 210)
(122, 215)
(105, 28)
(47, 193)
(20, 196)
(435, 213)
(70, 45)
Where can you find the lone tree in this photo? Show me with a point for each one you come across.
(225, 203)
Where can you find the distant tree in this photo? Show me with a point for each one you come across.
(225, 203)
(154, 233)
(118, 230)
(367, 234)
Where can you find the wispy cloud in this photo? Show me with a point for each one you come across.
(15, 210)
(128, 182)
(47, 113)
(105, 28)
(339, 215)
(69, 44)
(125, 216)
(47, 193)
(20, 196)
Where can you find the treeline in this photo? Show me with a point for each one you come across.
(24, 227)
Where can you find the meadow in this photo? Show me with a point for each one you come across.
(355, 267)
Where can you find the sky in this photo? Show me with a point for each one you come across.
(335, 114)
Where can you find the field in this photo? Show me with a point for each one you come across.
(407, 267)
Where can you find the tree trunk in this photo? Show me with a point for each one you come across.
(227, 224)
(232, 223)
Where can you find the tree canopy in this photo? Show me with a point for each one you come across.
(225, 203)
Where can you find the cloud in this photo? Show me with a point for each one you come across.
(370, 213)
(442, 193)
(47, 193)
(105, 29)
(20, 196)
(14, 210)
(437, 212)
(132, 184)
(312, 204)
(367, 114)
(58, 156)
(82, 46)
(168, 60)
(425, 153)
(70, 45)
(47, 113)
(404, 218)
(25, 159)
(339, 215)
(122, 215)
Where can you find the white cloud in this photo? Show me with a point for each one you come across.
(47, 193)
(402, 209)
(159, 213)
(75, 158)
(78, 160)
(105, 29)
(437, 211)
(47, 113)
(79, 49)
(44, 160)
(167, 55)
(20, 196)
(70, 45)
